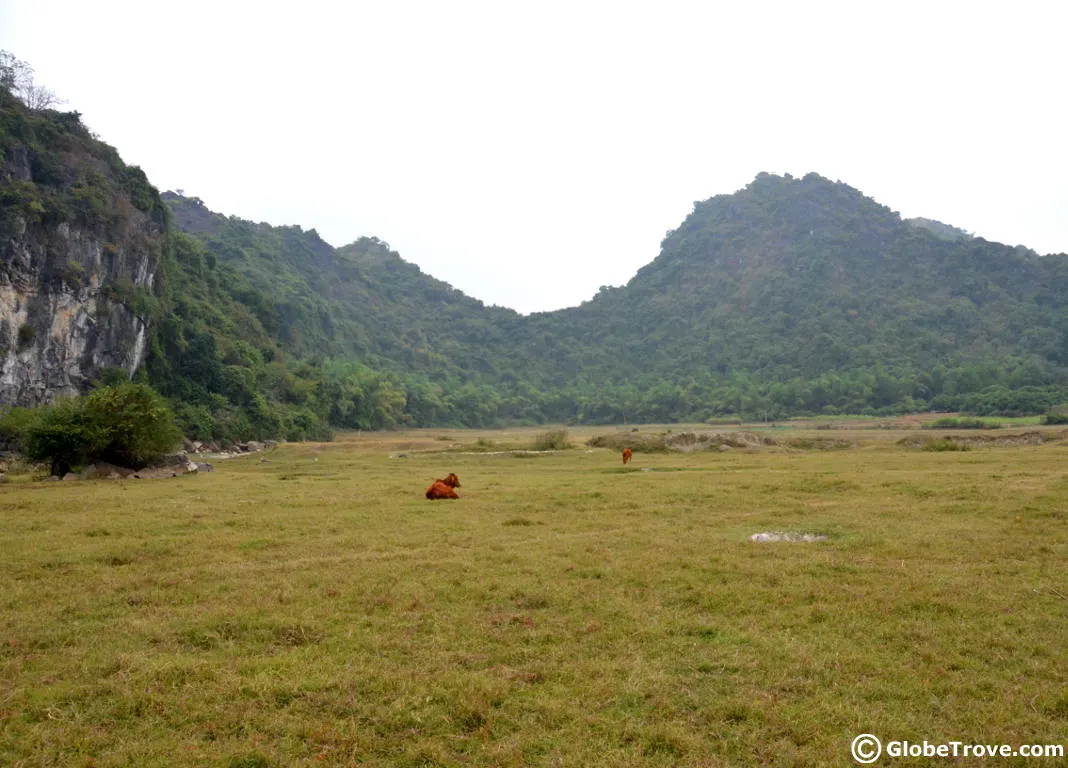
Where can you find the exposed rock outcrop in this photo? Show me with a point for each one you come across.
(81, 237)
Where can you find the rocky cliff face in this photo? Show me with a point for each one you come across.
(81, 236)
(60, 324)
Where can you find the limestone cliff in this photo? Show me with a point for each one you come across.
(81, 238)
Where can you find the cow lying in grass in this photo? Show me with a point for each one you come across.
(627, 453)
(444, 489)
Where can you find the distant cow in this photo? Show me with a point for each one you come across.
(441, 490)
(627, 453)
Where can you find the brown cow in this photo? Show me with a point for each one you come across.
(441, 490)
(627, 453)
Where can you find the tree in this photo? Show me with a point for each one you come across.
(63, 435)
(136, 421)
(128, 425)
(14, 74)
(17, 77)
(39, 97)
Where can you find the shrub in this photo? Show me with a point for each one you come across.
(556, 440)
(22, 198)
(63, 435)
(955, 423)
(137, 424)
(644, 443)
(1056, 415)
(111, 376)
(13, 425)
(945, 444)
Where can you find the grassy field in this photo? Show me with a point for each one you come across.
(315, 609)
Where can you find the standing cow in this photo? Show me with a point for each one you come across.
(627, 454)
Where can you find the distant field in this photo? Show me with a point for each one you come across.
(315, 609)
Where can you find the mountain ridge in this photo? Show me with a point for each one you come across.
(789, 296)
(755, 293)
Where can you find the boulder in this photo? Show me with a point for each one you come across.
(794, 536)
(254, 447)
(174, 459)
(102, 469)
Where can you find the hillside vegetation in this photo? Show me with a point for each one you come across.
(788, 297)
(792, 296)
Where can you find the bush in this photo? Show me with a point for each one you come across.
(63, 435)
(644, 443)
(22, 198)
(136, 421)
(556, 440)
(945, 444)
(954, 423)
(1057, 415)
(111, 376)
(13, 425)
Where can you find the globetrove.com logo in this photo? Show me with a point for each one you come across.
(867, 748)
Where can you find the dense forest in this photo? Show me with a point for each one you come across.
(791, 296)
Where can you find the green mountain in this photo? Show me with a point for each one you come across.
(806, 278)
(789, 296)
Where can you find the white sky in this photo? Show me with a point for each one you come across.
(530, 152)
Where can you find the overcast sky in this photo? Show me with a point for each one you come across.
(530, 152)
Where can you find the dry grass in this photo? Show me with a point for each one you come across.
(317, 610)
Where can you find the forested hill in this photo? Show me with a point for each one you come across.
(808, 279)
(789, 296)
(362, 301)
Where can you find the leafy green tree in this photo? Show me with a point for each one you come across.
(65, 436)
(135, 423)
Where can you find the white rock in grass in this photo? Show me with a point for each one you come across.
(787, 536)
